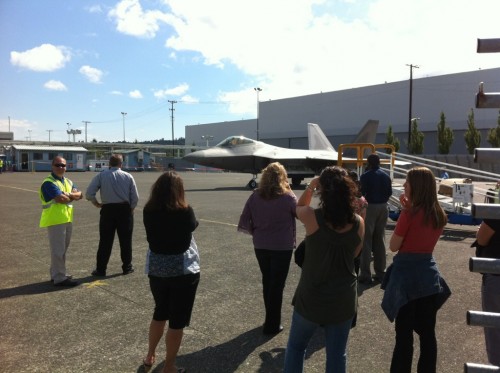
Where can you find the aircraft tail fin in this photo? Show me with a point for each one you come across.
(368, 133)
(317, 139)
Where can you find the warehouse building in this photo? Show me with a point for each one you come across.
(39, 157)
(341, 114)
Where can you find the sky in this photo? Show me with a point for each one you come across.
(66, 62)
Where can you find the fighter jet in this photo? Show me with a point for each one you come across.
(241, 154)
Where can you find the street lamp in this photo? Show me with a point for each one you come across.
(257, 89)
(411, 94)
(123, 114)
(207, 138)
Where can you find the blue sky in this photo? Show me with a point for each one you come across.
(69, 61)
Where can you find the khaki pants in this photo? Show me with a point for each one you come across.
(59, 239)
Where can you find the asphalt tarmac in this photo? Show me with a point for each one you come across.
(102, 325)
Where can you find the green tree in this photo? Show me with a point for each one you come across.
(416, 145)
(472, 135)
(494, 134)
(445, 136)
(391, 139)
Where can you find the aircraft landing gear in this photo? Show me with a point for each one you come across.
(252, 184)
(296, 181)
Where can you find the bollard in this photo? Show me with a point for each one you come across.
(484, 319)
(480, 368)
(484, 265)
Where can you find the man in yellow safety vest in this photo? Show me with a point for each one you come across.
(57, 194)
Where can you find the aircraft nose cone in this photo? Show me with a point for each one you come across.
(192, 157)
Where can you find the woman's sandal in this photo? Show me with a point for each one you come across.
(148, 365)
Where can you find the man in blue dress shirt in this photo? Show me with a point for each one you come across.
(119, 198)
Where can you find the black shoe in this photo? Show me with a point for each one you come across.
(67, 282)
(128, 270)
(273, 331)
(365, 280)
(97, 273)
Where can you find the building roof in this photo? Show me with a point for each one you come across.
(128, 151)
(50, 148)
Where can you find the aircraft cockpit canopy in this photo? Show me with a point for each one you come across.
(235, 141)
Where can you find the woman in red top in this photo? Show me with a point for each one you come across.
(414, 288)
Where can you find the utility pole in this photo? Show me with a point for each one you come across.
(49, 131)
(29, 131)
(411, 100)
(68, 131)
(9, 123)
(172, 102)
(86, 122)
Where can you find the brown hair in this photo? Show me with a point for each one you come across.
(115, 160)
(274, 181)
(424, 196)
(167, 193)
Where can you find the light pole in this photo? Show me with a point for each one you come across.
(123, 114)
(411, 94)
(258, 89)
(68, 131)
(29, 131)
(207, 138)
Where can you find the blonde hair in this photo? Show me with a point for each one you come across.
(274, 181)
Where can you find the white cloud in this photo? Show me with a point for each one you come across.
(187, 99)
(46, 57)
(135, 94)
(116, 93)
(94, 9)
(177, 91)
(326, 45)
(55, 85)
(91, 73)
(132, 20)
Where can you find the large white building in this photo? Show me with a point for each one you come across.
(341, 114)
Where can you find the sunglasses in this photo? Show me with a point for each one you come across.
(60, 165)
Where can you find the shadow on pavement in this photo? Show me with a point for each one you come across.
(46, 287)
(228, 356)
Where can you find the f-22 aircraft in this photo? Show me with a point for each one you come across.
(241, 154)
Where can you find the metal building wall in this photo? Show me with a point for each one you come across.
(341, 114)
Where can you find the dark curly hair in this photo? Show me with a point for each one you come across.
(337, 193)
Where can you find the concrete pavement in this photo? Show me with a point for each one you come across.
(102, 325)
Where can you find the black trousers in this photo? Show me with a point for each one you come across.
(115, 217)
(418, 315)
(274, 266)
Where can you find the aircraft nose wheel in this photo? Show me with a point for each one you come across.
(252, 184)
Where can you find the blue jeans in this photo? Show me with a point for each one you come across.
(300, 334)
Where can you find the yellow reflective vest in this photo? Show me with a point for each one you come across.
(54, 213)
